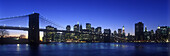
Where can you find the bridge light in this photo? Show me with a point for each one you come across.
(18, 45)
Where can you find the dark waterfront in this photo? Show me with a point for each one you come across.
(86, 49)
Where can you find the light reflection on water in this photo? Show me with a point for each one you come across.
(18, 48)
(85, 49)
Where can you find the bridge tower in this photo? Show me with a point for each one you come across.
(33, 32)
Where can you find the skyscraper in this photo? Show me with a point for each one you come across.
(49, 36)
(76, 27)
(164, 33)
(98, 30)
(158, 34)
(88, 26)
(152, 35)
(146, 29)
(115, 33)
(119, 32)
(81, 28)
(139, 35)
(107, 33)
(68, 28)
(123, 34)
(92, 29)
(146, 34)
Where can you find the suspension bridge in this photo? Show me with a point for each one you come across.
(34, 29)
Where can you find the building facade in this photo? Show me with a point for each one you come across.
(139, 28)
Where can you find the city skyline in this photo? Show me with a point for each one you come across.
(84, 27)
(110, 14)
(89, 34)
(72, 29)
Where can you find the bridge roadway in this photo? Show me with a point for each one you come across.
(44, 30)
(26, 29)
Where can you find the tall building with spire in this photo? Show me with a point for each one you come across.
(146, 34)
(123, 34)
(146, 29)
(81, 28)
(76, 27)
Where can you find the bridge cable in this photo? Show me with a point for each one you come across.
(13, 17)
(51, 22)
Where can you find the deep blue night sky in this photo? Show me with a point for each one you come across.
(111, 14)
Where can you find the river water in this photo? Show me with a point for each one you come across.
(86, 49)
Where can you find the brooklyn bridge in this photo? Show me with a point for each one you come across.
(34, 29)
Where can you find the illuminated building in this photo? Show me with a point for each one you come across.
(139, 35)
(164, 33)
(123, 34)
(67, 35)
(68, 28)
(92, 29)
(146, 34)
(158, 34)
(98, 30)
(93, 36)
(49, 36)
(76, 27)
(88, 26)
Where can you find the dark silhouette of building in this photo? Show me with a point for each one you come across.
(139, 34)
(152, 35)
(115, 33)
(81, 28)
(68, 28)
(119, 32)
(107, 34)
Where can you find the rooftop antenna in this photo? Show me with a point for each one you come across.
(33, 12)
